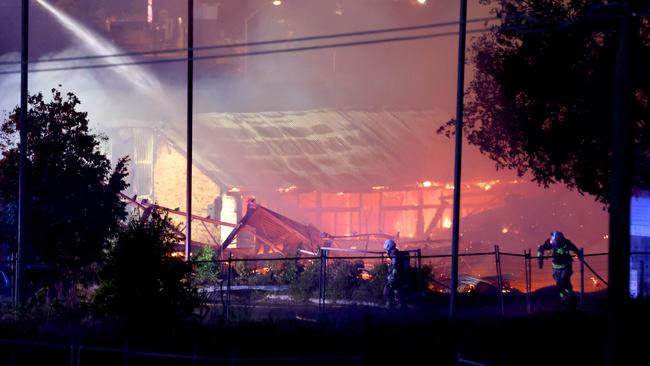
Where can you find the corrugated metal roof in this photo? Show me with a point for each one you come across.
(326, 150)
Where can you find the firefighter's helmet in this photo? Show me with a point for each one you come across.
(557, 237)
(389, 245)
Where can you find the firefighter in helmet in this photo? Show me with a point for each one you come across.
(561, 262)
(394, 290)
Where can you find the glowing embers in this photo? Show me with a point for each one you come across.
(428, 184)
(178, 254)
(263, 270)
(446, 222)
(364, 275)
(286, 189)
(487, 185)
(595, 282)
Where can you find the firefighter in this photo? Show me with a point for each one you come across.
(394, 290)
(561, 261)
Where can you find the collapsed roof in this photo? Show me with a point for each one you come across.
(325, 150)
(279, 233)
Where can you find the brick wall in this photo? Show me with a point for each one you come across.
(169, 189)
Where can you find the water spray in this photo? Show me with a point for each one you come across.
(137, 76)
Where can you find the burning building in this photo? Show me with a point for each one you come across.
(343, 139)
(343, 172)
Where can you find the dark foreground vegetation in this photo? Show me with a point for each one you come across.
(345, 336)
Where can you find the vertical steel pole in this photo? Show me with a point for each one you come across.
(460, 91)
(497, 259)
(190, 101)
(419, 263)
(22, 167)
(619, 194)
(582, 275)
(322, 282)
(527, 273)
(229, 276)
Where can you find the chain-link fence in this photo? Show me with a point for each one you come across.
(336, 278)
(252, 288)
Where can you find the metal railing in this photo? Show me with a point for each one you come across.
(511, 276)
(519, 271)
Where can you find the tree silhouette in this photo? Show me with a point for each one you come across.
(541, 101)
(73, 204)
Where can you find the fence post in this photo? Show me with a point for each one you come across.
(13, 276)
(582, 275)
(497, 258)
(322, 280)
(528, 273)
(419, 264)
(228, 278)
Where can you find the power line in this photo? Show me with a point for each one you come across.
(255, 53)
(260, 43)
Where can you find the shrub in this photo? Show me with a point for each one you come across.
(141, 280)
(207, 271)
(306, 283)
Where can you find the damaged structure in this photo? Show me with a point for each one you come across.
(310, 172)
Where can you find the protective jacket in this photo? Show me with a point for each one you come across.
(561, 256)
(398, 267)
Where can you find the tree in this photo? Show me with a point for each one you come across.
(541, 100)
(73, 204)
(141, 279)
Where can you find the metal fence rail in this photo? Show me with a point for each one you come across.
(511, 274)
(507, 272)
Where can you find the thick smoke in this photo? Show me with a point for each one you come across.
(414, 75)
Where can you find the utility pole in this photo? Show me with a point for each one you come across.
(460, 92)
(22, 167)
(620, 193)
(190, 99)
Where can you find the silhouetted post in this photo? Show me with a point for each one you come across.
(322, 280)
(619, 195)
(582, 275)
(228, 277)
(190, 101)
(527, 272)
(22, 167)
(460, 91)
(419, 264)
(13, 280)
(497, 258)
